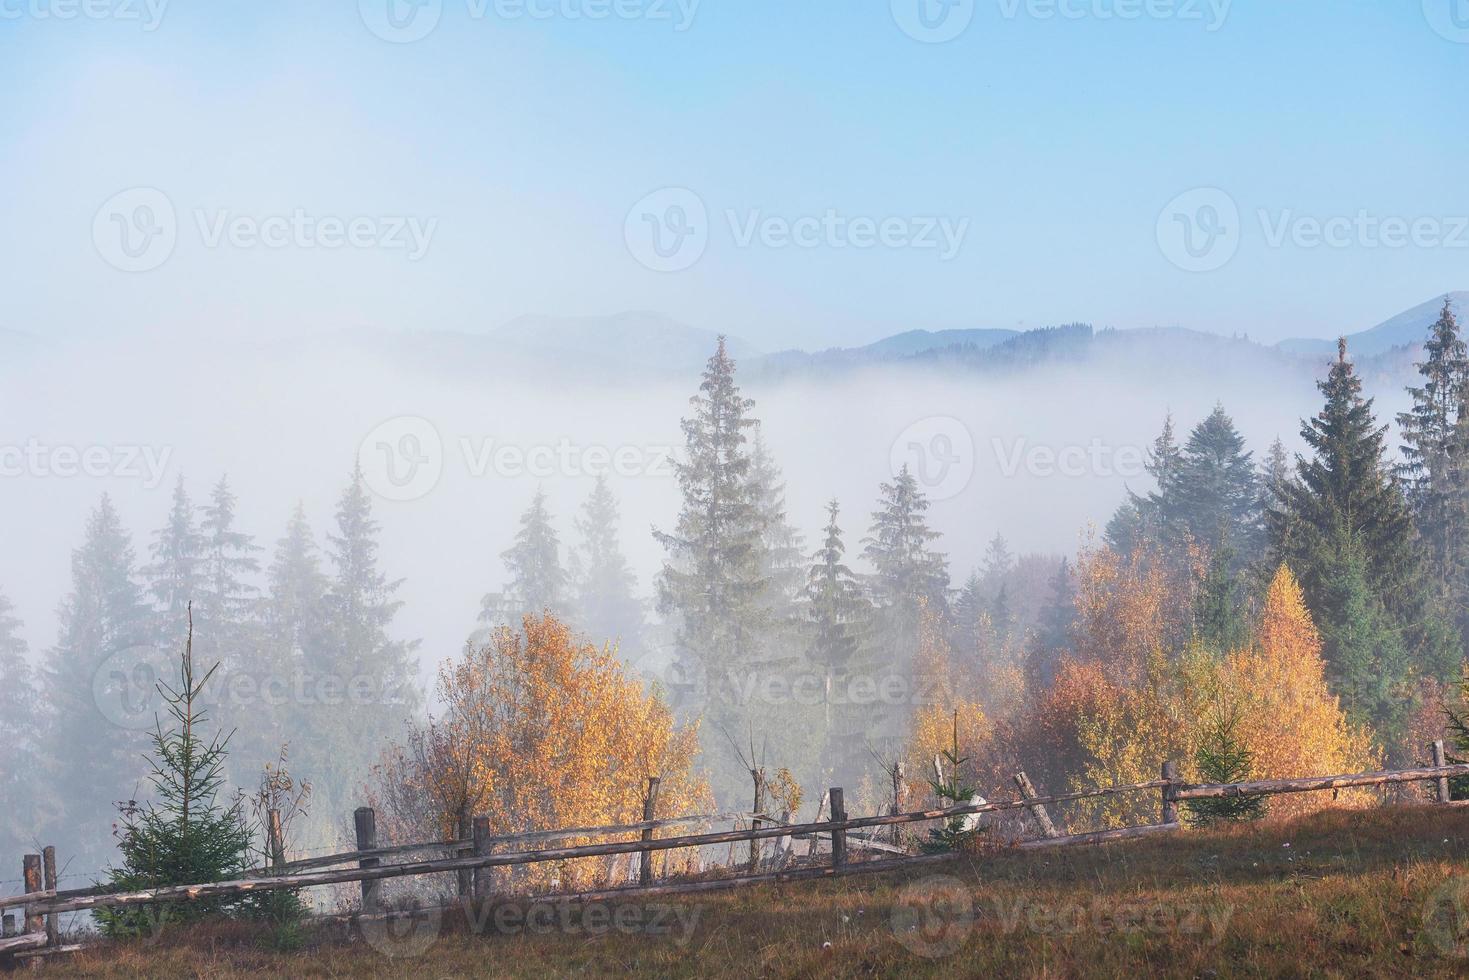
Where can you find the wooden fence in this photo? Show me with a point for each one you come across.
(472, 858)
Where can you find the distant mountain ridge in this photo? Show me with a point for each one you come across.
(1405, 329)
(650, 346)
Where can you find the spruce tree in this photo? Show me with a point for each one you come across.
(908, 576)
(174, 575)
(837, 611)
(295, 610)
(104, 623)
(20, 736)
(364, 681)
(606, 601)
(226, 596)
(1435, 467)
(1223, 758)
(1345, 529)
(970, 611)
(1137, 522)
(1213, 495)
(999, 564)
(537, 582)
(1053, 633)
(713, 579)
(184, 834)
(907, 569)
(783, 560)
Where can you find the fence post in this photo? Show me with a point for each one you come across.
(1027, 792)
(755, 821)
(839, 836)
(48, 870)
(365, 823)
(650, 807)
(481, 833)
(1170, 794)
(897, 774)
(31, 873)
(275, 840)
(1443, 781)
(466, 832)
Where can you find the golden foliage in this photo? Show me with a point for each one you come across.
(1130, 713)
(932, 726)
(542, 731)
(1288, 718)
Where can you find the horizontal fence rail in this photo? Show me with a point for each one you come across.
(43, 904)
(528, 837)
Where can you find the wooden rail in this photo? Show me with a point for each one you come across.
(43, 904)
(466, 845)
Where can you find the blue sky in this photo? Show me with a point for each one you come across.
(519, 146)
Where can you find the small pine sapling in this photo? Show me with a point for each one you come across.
(1223, 758)
(959, 831)
(185, 835)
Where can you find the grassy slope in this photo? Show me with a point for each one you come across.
(1346, 897)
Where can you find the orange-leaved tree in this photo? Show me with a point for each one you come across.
(1288, 719)
(541, 730)
(950, 697)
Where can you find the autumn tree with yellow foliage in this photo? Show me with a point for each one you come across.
(540, 730)
(950, 703)
(1136, 701)
(1288, 718)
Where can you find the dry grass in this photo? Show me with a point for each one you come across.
(1340, 893)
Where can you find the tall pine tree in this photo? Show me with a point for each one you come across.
(1346, 530)
(20, 735)
(1435, 467)
(836, 611)
(713, 580)
(104, 622)
(363, 682)
(537, 581)
(909, 576)
(174, 574)
(605, 587)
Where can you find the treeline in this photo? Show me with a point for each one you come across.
(1338, 577)
(302, 638)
